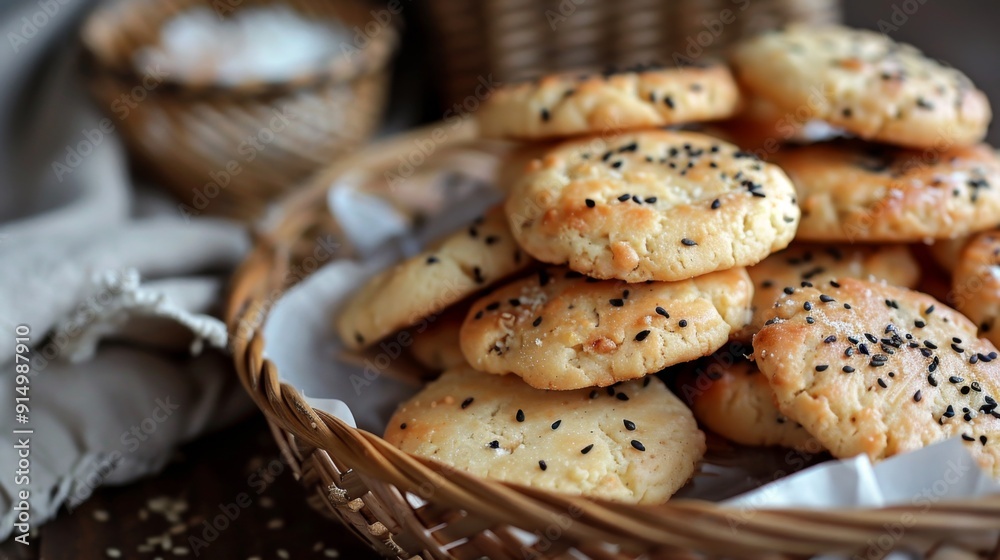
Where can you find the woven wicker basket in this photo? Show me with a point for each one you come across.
(513, 40)
(360, 480)
(193, 136)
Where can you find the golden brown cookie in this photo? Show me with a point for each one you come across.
(975, 283)
(654, 205)
(730, 396)
(561, 330)
(865, 83)
(946, 252)
(457, 267)
(862, 192)
(876, 369)
(637, 443)
(436, 348)
(564, 105)
(807, 263)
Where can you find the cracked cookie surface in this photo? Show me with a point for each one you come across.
(561, 330)
(865, 83)
(818, 264)
(881, 370)
(635, 442)
(562, 105)
(653, 205)
(854, 192)
(456, 267)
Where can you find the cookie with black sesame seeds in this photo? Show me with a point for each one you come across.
(457, 267)
(865, 83)
(975, 284)
(436, 347)
(639, 449)
(849, 191)
(563, 105)
(653, 205)
(881, 370)
(561, 330)
(729, 396)
(818, 264)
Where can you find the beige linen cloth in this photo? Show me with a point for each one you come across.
(116, 286)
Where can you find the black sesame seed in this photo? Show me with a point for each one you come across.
(949, 412)
(545, 115)
(929, 310)
(536, 322)
(638, 445)
(716, 204)
(825, 298)
(624, 197)
(587, 449)
(822, 367)
(650, 199)
(919, 324)
(847, 306)
(514, 302)
(807, 306)
(479, 315)
(617, 164)
(621, 397)
(848, 369)
(983, 440)
(955, 379)
(467, 402)
(930, 345)
(402, 426)
(917, 396)
(629, 425)
(932, 381)
(641, 335)
(593, 394)
(965, 390)
(556, 424)
(810, 320)
(829, 339)
(360, 339)
(493, 306)
(616, 302)
(590, 203)
(689, 242)
(494, 444)
(610, 390)
(663, 312)
(542, 465)
(881, 383)
(520, 415)
(789, 290)
(682, 323)
(669, 101)
(432, 260)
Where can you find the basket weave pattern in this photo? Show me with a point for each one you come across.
(362, 481)
(514, 40)
(194, 136)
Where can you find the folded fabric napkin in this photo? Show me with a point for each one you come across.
(116, 288)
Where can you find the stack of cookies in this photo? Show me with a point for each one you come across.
(630, 245)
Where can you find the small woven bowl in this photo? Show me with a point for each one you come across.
(192, 135)
(362, 481)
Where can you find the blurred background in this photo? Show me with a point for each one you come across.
(113, 112)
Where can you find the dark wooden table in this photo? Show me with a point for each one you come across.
(210, 477)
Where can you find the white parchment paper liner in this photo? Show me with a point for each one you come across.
(300, 340)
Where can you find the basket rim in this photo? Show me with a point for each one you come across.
(101, 55)
(679, 524)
